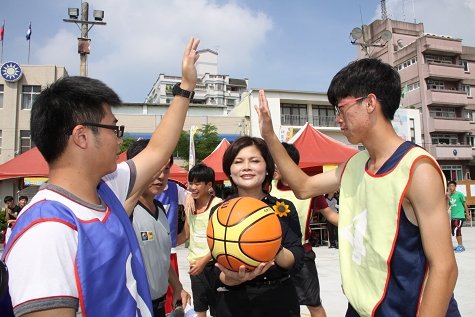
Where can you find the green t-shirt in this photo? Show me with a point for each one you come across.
(456, 202)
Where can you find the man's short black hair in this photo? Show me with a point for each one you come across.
(453, 182)
(7, 199)
(292, 151)
(138, 146)
(365, 76)
(23, 197)
(201, 173)
(63, 105)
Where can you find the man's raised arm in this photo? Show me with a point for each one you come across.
(166, 135)
(301, 184)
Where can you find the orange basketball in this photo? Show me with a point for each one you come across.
(244, 231)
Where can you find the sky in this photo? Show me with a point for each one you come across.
(276, 44)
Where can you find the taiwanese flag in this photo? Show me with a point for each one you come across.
(2, 31)
(28, 33)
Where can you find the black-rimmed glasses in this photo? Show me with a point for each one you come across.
(119, 129)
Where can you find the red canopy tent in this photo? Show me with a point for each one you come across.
(28, 164)
(215, 160)
(317, 149)
(32, 164)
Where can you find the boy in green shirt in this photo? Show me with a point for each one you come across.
(459, 211)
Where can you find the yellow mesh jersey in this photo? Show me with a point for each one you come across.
(198, 224)
(370, 208)
(302, 206)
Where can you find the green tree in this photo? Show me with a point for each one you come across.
(126, 142)
(206, 139)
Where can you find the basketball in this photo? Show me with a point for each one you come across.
(243, 231)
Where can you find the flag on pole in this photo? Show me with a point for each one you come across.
(192, 156)
(2, 31)
(28, 33)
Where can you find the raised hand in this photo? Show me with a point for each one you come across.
(263, 112)
(188, 71)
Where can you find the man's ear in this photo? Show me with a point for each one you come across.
(80, 136)
(371, 101)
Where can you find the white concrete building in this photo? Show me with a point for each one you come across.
(290, 110)
(212, 89)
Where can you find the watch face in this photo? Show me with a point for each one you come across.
(11, 71)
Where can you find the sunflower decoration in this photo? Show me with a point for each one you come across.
(281, 209)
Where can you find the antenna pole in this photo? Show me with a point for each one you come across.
(384, 12)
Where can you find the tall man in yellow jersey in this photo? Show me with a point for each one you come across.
(396, 256)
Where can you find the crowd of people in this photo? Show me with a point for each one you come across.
(98, 238)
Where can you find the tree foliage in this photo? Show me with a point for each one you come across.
(126, 142)
(206, 139)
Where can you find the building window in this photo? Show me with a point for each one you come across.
(471, 140)
(438, 59)
(293, 114)
(28, 95)
(1, 141)
(452, 172)
(1, 96)
(324, 116)
(435, 84)
(412, 127)
(464, 63)
(231, 102)
(407, 63)
(168, 89)
(467, 89)
(467, 114)
(25, 141)
(442, 112)
(445, 139)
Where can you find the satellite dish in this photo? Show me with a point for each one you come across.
(356, 33)
(386, 35)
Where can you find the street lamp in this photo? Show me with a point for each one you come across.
(361, 37)
(84, 25)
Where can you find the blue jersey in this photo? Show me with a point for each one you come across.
(110, 273)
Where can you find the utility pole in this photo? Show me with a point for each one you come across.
(84, 25)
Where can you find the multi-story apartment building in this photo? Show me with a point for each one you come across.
(437, 76)
(212, 88)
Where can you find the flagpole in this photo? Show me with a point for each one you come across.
(29, 51)
(28, 38)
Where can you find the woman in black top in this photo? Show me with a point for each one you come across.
(267, 290)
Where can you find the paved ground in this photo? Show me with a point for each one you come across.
(335, 302)
(329, 273)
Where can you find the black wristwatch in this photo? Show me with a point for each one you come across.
(177, 91)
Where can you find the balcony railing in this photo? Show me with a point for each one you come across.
(445, 96)
(317, 121)
(451, 151)
(454, 124)
(321, 121)
(286, 119)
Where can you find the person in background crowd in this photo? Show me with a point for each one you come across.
(332, 229)
(153, 233)
(459, 212)
(306, 280)
(22, 201)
